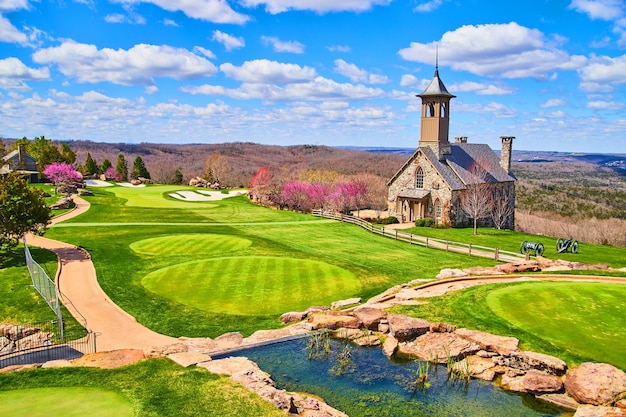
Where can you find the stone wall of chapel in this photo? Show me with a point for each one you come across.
(432, 182)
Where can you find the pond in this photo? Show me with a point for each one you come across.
(362, 382)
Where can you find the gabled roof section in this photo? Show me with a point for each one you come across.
(444, 170)
(475, 163)
(436, 88)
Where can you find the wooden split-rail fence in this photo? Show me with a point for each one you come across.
(428, 242)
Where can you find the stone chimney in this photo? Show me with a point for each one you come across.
(21, 157)
(460, 139)
(505, 155)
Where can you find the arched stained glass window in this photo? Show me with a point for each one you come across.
(419, 178)
(438, 210)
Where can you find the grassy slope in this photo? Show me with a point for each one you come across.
(576, 322)
(20, 302)
(510, 241)
(155, 388)
(377, 262)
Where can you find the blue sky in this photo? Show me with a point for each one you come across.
(552, 73)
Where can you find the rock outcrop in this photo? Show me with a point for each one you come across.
(596, 383)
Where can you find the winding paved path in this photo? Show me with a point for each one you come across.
(116, 329)
(86, 301)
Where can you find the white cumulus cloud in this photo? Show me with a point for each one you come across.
(136, 66)
(504, 50)
(269, 72)
(283, 46)
(318, 6)
(358, 75)
(216, 11)
(230, 42)
(14, 74)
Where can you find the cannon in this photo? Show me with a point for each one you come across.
(536, 247)
(563, 245)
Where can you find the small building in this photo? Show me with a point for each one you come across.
(439, 174)
(21, 162)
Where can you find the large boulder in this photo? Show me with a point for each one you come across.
(500, 344)
(111, 359)
(542, 362)
(477, 367)
(345, 303)
(595, 383)
(389, 346)
(594, 411)
(405, 328)
(370, 317)
(438, 347)
(537, 382)
(333, 321)
(292, 317)
(521, 266)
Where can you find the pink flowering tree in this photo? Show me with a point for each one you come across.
(295, 195)
(357, 194)
(112, 174)
(61, 173)
(318, 195)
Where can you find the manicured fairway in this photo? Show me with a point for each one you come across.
(252, 285)
(154, 197)
(586, 318)
(64, 402)
(189, 244)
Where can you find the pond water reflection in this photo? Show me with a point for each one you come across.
(363, 382)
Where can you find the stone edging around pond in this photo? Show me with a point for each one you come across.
(593, 389)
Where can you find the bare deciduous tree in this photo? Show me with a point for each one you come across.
(476, 201)
(501, 209)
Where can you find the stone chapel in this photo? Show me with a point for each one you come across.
(432, 181)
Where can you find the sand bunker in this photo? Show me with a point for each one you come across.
(98, 183)
(128, 184)
(204, 195)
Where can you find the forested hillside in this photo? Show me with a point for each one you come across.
(558, 194)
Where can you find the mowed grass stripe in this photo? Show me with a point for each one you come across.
(64, 402)
(251, 285)
(183, 244)
(573, 316)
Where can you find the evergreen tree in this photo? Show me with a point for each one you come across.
(67, 154)
(106, 164)
(139, 169)
(3, 150)
(178, 176)
(90, 165)
(121, 168)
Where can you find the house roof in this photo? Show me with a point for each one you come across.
(476, 163)
(467, 163)
(11, 162)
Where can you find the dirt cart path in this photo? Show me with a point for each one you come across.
(86, 301)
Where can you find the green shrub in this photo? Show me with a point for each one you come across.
(386, 220)
(425, 222)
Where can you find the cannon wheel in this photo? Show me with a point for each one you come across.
(522, 248)
(559, 244)
(575, 247)
(539, 250)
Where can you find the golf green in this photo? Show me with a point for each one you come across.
(252, 285)
(64, 402)
(579, 317)
(189, 244)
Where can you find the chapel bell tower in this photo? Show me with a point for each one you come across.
(435, 117)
